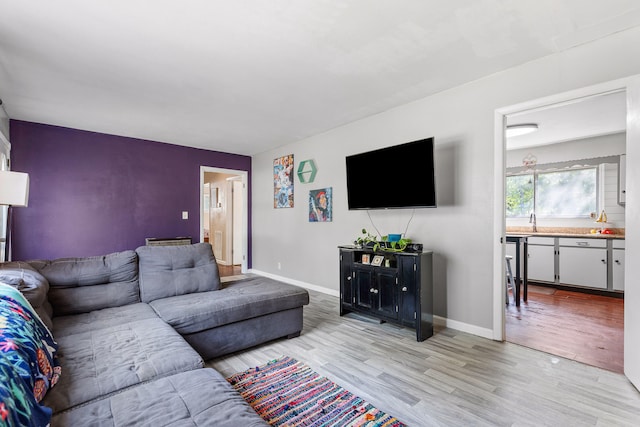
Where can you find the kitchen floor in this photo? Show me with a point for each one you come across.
(582, 327)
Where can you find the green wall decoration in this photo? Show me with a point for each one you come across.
(307, 171)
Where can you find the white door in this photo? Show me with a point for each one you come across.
(632, 241)
(238, 210)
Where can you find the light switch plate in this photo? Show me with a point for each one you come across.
(185, 215)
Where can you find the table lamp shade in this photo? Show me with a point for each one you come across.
(14, 188)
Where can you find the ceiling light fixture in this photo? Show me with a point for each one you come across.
(521, 129)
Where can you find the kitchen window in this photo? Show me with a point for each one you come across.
(570, 193)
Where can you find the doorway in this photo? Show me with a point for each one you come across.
(561, 178)
(632, 211)
(224, 217)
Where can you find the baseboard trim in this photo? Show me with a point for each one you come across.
(437, 320)
(463, 327)
(300, 283)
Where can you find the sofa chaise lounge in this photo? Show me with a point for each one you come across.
(132, 329)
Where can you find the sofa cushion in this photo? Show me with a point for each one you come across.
(167, 271)
(196, 398)
(100, 319)
(22, 276)
(102, 361)
(81, 285)
(236, 301)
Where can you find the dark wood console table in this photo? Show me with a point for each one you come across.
(398, 289)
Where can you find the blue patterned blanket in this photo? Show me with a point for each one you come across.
(28, 362)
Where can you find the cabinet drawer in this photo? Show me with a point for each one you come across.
(546, 241)
(583, 243)
(617, 243)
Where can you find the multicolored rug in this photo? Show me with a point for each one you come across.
(285, 392)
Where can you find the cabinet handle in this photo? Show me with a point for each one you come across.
(349, 278)
(375, 291)
(618, 261)
(603, 261)
(404, 289)
(371, 290)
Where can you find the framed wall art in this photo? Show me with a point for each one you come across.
(283, 182)
(321, 205)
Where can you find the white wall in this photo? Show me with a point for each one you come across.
(588, 148)
(460, 231)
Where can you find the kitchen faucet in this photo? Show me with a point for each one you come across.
(532, 220)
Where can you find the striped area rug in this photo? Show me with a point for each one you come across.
(285, 392)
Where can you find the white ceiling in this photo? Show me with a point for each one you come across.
(604, 114)
(245, 76)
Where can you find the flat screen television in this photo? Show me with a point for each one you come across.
(401, 176)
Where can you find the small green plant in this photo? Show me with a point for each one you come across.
(383, 244)
(365, 239)
(397, 246)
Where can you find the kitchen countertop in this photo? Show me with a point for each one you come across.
(569, 234)
(574, 235)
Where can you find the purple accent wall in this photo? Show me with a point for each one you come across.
(93, 194)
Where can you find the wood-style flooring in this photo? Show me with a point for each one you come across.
(229, 270)
(583, 327)
(451, 379)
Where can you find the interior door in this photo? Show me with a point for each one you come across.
(632, 241)
(237, 214)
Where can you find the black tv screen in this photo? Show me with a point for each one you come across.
(401, 176)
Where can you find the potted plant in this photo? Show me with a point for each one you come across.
(369, 240)
(394, 246)
(366, 239)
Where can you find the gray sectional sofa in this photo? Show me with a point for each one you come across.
(134, 327)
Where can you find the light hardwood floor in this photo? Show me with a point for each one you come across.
(451, 379)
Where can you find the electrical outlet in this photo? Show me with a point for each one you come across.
(185, 215)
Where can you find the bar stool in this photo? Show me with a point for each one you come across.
(510, 282)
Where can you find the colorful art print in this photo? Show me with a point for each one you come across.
(321, 205)
(283, 182)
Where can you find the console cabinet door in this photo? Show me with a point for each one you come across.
(385, 291)
(408, 286)
(346, 282)
(364, 287)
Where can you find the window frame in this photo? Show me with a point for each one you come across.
(535, 175)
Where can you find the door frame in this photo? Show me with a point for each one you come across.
(631, 85)
(244, 176)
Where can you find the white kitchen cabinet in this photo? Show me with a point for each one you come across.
(542, 259)
(617, 265)
(583, 262)
(542, 263)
